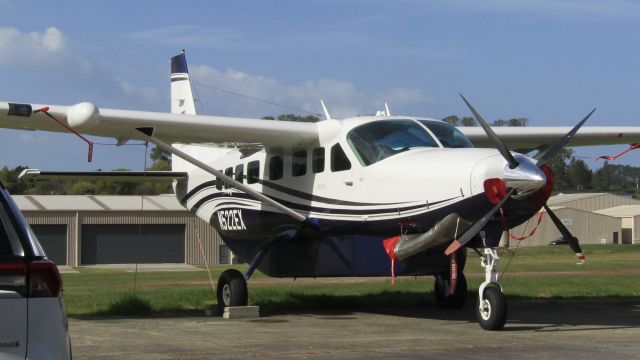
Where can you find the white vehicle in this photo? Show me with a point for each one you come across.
(33, 323)
(363, 196)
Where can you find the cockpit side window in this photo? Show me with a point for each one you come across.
(339, 160)
(378, 140)
(448, 135)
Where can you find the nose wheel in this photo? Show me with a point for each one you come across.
(492, 309)
(492, 305)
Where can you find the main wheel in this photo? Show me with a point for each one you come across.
(441, 291)
(231, 290)
(492, 311)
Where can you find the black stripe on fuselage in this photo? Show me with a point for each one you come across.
(291, 192)
(316, 209)
(197, 189)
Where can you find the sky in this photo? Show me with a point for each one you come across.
(550, 61)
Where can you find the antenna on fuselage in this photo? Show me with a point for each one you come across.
(326, 112)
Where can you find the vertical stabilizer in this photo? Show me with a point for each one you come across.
(181, 95)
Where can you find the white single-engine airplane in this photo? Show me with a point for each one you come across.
(363, 196)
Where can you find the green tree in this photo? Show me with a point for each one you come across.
(560, 170)
(469, 121)
(80, 187)
(513, 122)
(602, 178)
(452, 120)
(579, 174)
(299, 118)
(518, 122)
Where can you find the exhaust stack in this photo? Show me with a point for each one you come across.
(403, 246)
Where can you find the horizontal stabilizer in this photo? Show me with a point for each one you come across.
(126, 176)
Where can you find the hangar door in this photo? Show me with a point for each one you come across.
(53, 239)
(123, 244)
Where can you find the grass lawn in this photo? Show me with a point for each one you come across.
(611, 271)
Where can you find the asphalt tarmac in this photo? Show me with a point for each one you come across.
(535, 330)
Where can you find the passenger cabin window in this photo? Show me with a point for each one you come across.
(239, 174)
(317, 161)
(253, 171)
(448, 135)
(275, 167)
(219, 182)
(339, 160)
(299, 163)
(229, 173)
(376, 141)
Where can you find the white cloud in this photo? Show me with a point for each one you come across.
(342, 98)
(51, 57)
(20, 50)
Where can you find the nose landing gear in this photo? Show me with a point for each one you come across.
(492, 305)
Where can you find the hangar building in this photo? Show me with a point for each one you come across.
(591, 217)
(630, 219)
(80, 230)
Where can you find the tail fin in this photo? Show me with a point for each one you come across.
(181, 95)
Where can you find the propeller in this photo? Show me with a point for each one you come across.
(502, 148)
(566, 234)
(546, 156)
(542, 159)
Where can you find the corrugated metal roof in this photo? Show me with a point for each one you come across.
(621, 211)
(564, 198)
(167, 202)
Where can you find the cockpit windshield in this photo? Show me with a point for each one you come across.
(448, 135)
(378, 140)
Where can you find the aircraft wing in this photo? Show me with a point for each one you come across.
(86, 118)
(535, 137)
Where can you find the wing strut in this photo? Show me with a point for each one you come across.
(148, 135)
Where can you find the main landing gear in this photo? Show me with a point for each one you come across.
(231, 290)
(492, 306)
(232, 285)
(442, 290)
(450, 289)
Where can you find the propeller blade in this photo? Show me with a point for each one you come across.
(502, 148)
(566, 234)
(477, 226)
(546, 156)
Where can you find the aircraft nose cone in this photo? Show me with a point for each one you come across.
(527, 178)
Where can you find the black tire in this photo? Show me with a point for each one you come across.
(231, 290)
(441, 292)
(493, 314)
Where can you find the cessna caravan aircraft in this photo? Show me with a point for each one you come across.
(363, 196)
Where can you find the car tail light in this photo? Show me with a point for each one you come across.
(44, 279)
(13, 277)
